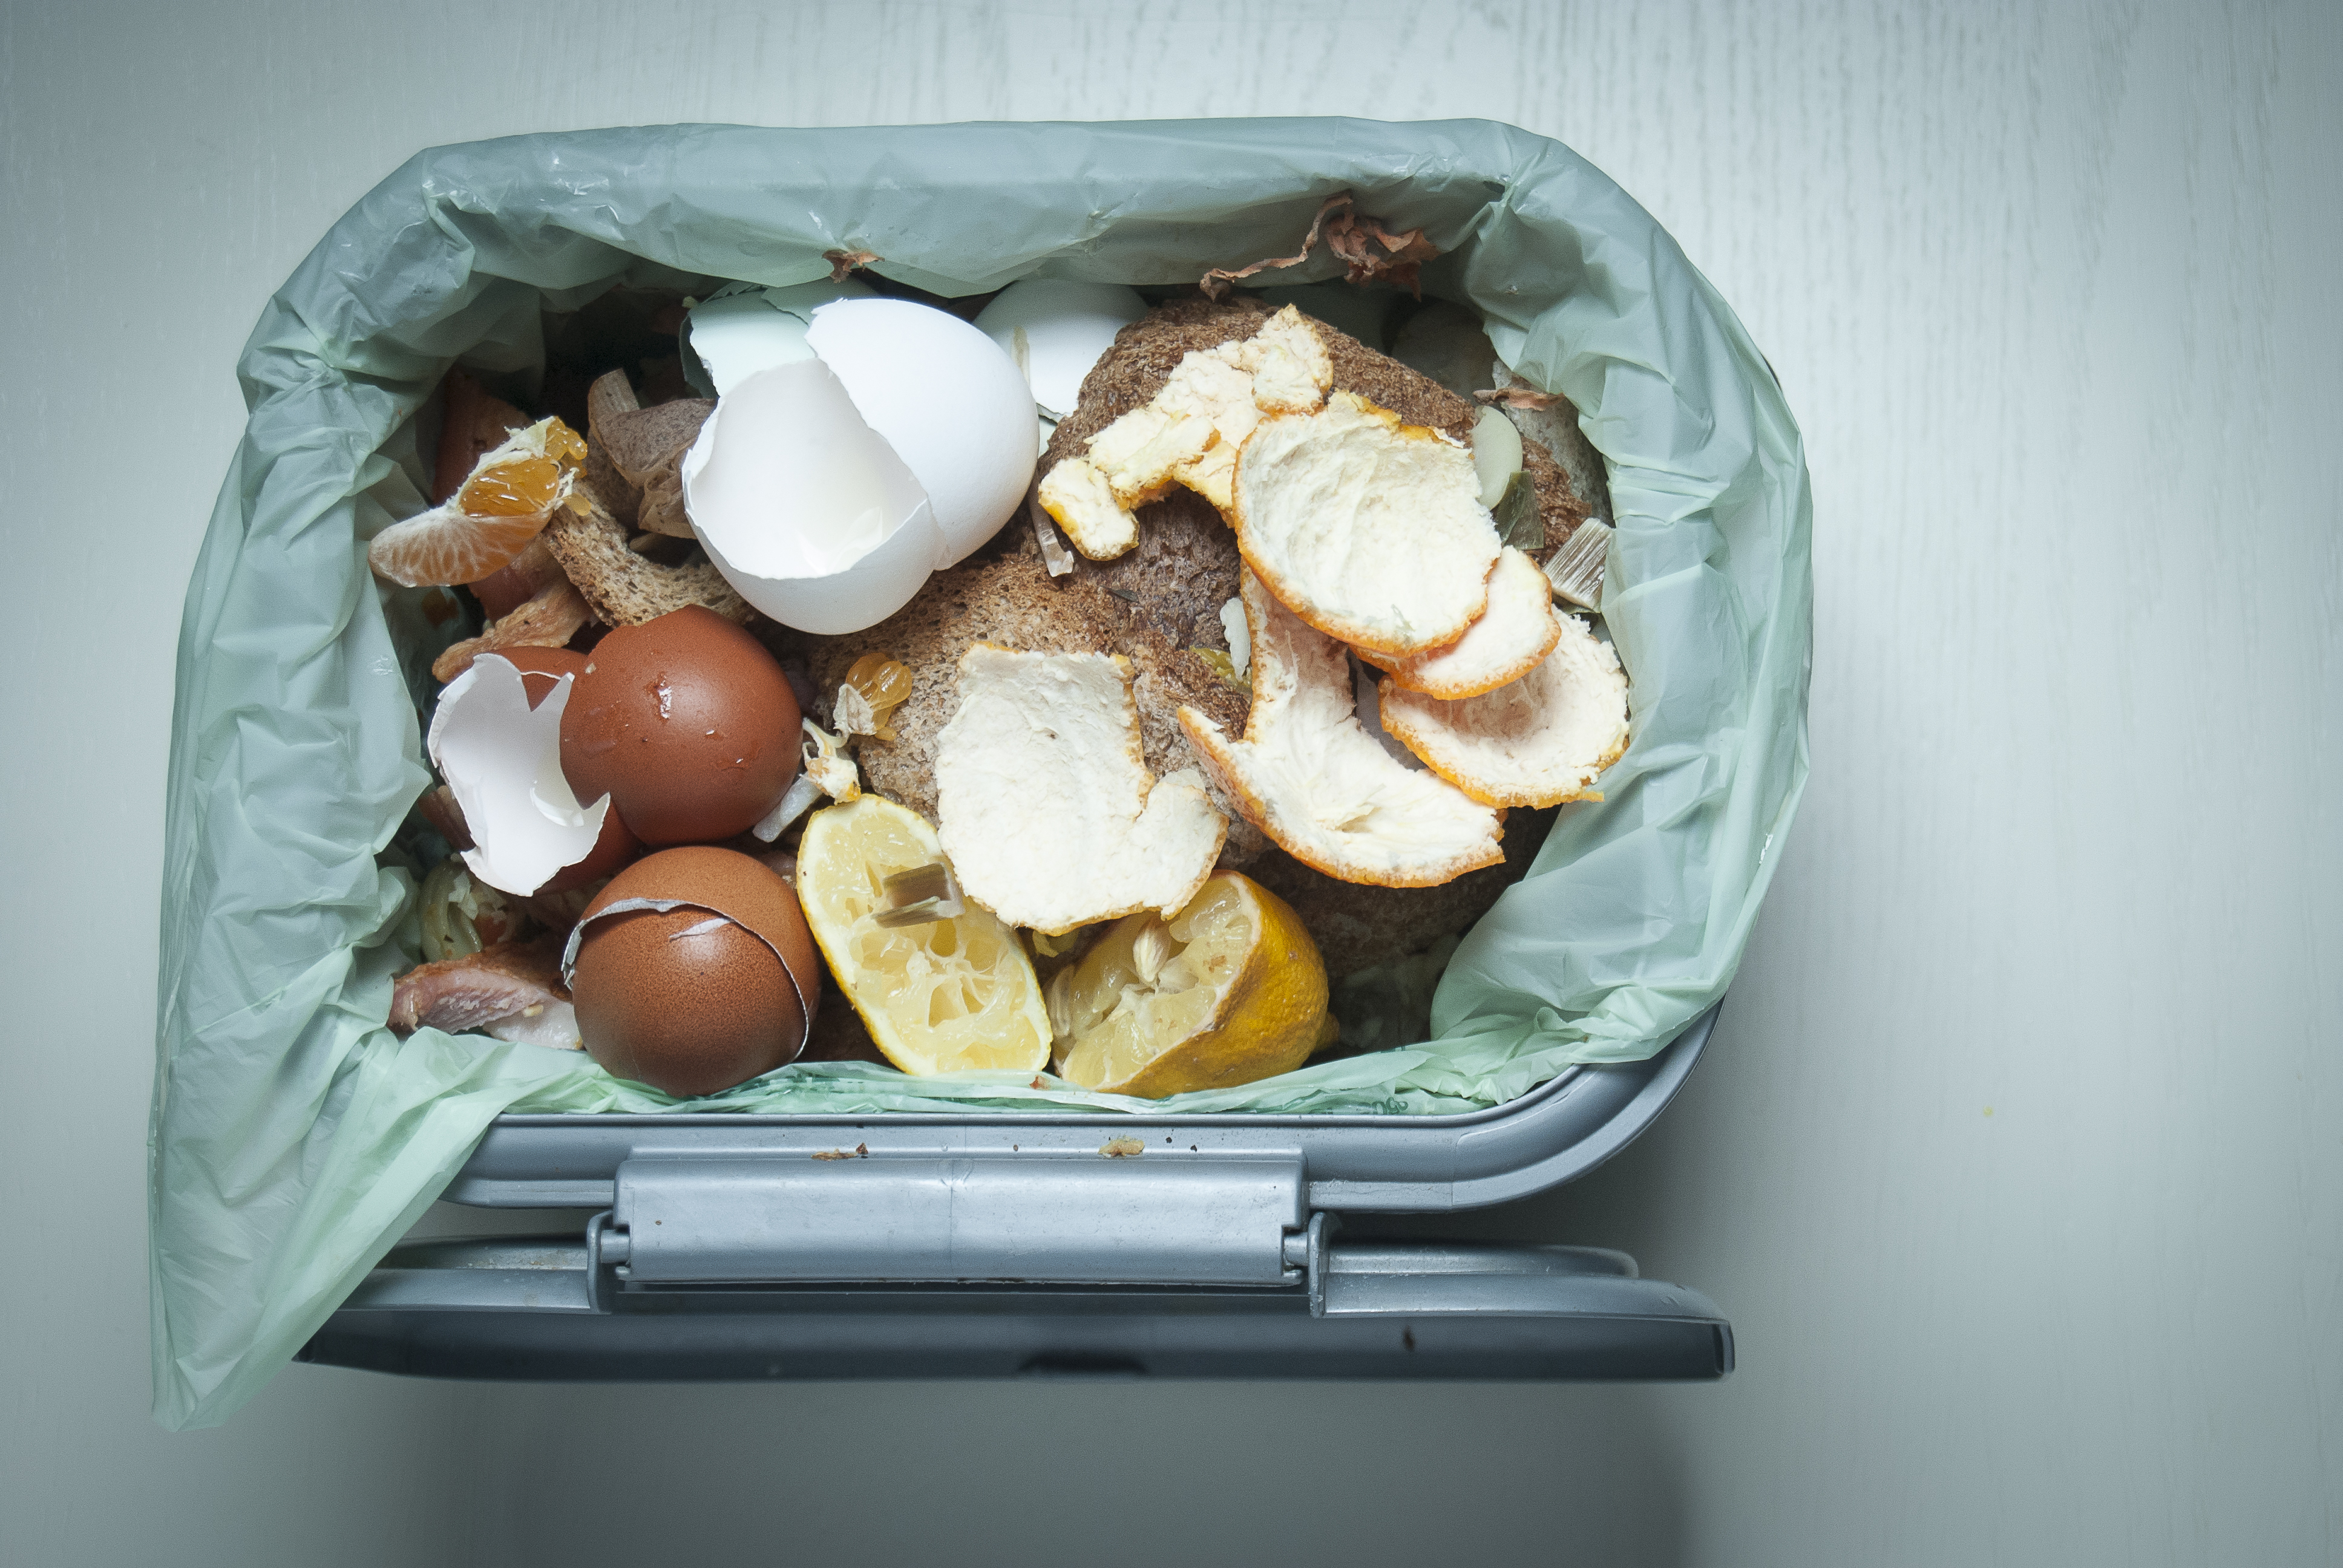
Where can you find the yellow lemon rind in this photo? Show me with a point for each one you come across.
(830, 937)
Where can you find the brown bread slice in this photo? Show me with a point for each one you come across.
(1146, 352)
(645, 447)
(642, 441)
(1357, 927)
(611, 396)
(1010, 599)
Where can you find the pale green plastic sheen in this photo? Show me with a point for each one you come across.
(293, 1137)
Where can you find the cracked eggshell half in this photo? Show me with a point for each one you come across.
(807, 510)
(503, 760)
(950, 403)
(1055, 330)
(542, 670)
(742, 329)
(693, 971)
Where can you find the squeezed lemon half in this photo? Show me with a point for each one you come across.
(942, 996)
(1230, 990)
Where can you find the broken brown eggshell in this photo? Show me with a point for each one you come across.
(686, 723)
(694, 972)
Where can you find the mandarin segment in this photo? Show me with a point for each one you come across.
(519, 489)
(884, 682)
(494, 514)
(437, 550)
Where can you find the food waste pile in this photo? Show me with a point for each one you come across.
(1142, 697)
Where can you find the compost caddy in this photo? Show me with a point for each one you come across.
(295, 1138)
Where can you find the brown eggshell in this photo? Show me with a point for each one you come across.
(695, 1014)
(686, 723)
(692, 1012)
(540, 668)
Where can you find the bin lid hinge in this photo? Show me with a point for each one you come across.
(679, 1223)
(1305, 1256)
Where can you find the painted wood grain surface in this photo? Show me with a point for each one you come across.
(2018, 1158)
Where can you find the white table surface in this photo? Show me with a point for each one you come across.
(2018, 1161)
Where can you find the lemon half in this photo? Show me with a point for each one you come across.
(942, 996)
(1228, 990)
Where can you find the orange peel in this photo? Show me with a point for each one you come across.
(1188, 434)
(1308, 773)
(1512, 638)
(1044, 749)
(1540, 740)
(1369, 528)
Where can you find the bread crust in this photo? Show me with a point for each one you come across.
(622, 588)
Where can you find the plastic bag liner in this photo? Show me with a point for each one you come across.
(295, 1138)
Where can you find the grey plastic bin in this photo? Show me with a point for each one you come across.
(986, 1244)
(735, 1247)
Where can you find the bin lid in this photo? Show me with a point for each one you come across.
(531, 1310)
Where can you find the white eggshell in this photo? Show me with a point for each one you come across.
(742, 329)
(1066, 328)
(503, 760)
(808, 511)
(950, 403)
